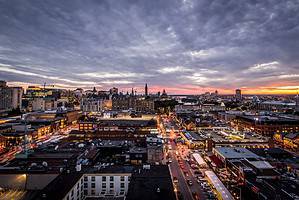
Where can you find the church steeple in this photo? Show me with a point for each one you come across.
(146, 90)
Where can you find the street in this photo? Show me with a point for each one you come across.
(184, 173)
(186, 182)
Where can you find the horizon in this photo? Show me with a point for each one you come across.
(140, 90)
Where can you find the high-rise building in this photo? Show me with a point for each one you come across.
(17, 93)
(238, 94)
(146, 90)
(10, 97)
(5, 97)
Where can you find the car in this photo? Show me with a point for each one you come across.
(186, 173)
(195, 196)
(175, 179)
(189, 182)
(193, 166)
(204, 184)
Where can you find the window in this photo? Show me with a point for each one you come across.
(93, 178)
(81, 181)
(111, 178)
(85, 192)
(122, 185)
(122, 178)
(103, 178)
(85, 185)
(93, 192)
(93, 185)
(85, 178)
(111, 185)
(104, 185)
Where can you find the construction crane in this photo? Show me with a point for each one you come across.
(45, 84)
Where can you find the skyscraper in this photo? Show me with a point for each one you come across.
(238, 95)
(146, 90)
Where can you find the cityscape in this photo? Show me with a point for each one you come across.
(149, 100)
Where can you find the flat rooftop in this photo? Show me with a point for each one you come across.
(235, 152)
(151, 184)
(259, 164)
(225, 194)
(260, 119)
(60, 186)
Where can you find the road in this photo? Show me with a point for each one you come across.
(177, 172)
(180, 168)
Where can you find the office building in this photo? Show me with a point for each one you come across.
(238, 95)
(10, 97)
(266, 124)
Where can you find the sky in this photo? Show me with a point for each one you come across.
(184, 46)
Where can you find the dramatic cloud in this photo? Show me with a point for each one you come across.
(170, 70)
(185, 46)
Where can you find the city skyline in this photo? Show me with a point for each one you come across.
(184, 47)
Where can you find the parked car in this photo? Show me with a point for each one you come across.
(189, 182)
(195, 196)
(175, 179)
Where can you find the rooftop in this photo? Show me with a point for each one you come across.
(235, 152)
(151, 184)
(261, 164)
(60, 186)
(225, 194)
